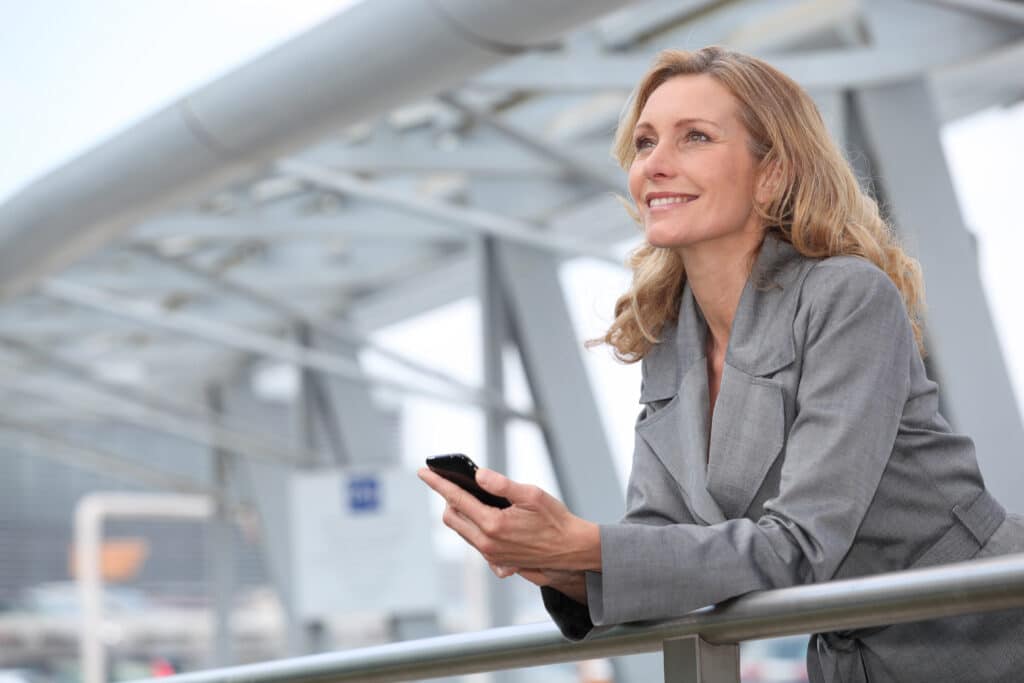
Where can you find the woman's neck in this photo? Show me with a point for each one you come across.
(716, 274)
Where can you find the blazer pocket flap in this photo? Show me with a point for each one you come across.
(661, 428)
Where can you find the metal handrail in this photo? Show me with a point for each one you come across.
(975, 586)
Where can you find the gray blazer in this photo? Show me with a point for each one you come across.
(827, 458)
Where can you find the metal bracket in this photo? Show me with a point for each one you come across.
(694, 660)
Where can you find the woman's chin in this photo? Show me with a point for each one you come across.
(663, 241)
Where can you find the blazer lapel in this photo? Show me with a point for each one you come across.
(748, 432)
(678, 432)
(721, 466)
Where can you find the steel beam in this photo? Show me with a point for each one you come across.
(105, 403)
(605, 175)
(1002, 10)
(832, 106)
(822, 23)
(220, 542)
(363, 223)
(268, 487)
(494, 323)
(991, 80)
(598, 219)
(580, 455)
(550, 351)
(99, 461)
(921, 47)
(338, 334)
(903, 135)
(362, 430)
(399, 300)
(494, 329)
(149, 401)
(243, 340)
(627, 27)
(481, 222)
(476, 154)
(312, 407)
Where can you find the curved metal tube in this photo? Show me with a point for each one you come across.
(361, 62)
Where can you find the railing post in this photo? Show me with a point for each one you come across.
(694, 660)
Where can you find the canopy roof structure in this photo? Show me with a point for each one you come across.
(345, 180)
(351, 172)
(381, 164)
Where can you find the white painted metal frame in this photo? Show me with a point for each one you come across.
(92, 511)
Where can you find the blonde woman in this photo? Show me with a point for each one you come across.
(789, 433)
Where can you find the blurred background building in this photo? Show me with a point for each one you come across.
(267, 257)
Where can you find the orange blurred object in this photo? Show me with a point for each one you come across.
(120, 558)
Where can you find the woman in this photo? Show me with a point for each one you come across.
(789, 433)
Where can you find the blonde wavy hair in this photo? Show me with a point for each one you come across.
(819, 207)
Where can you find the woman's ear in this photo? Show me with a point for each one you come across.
(769, 185)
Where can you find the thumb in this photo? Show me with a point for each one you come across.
(493, 482)
(500, 485)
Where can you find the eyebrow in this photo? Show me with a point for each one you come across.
(678, 124)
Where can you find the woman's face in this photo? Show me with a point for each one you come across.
(694, 177)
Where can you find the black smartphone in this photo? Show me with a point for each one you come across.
(460, 469)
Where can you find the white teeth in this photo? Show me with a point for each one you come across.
(664, 201)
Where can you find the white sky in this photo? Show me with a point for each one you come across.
(76, 71)
(73, 72)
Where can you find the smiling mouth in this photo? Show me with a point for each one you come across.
(659, 202)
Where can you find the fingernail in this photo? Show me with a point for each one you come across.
(483, 476)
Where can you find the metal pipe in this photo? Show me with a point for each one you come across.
(962, 588)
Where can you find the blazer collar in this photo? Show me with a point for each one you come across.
(761, 340)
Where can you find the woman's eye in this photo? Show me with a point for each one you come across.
(643, 143)
(697, 136)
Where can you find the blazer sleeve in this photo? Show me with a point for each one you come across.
(856, 346)
(646, 504)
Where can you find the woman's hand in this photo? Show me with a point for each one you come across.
(571, 583)
(536, 532)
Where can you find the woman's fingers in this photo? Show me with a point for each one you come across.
(500, 485)
(537, 577)
(453, 494)
(502, 572)
(536, 531)
(458, 522)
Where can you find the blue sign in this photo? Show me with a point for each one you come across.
(363, 494)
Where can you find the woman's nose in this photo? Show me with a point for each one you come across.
(659, 163)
